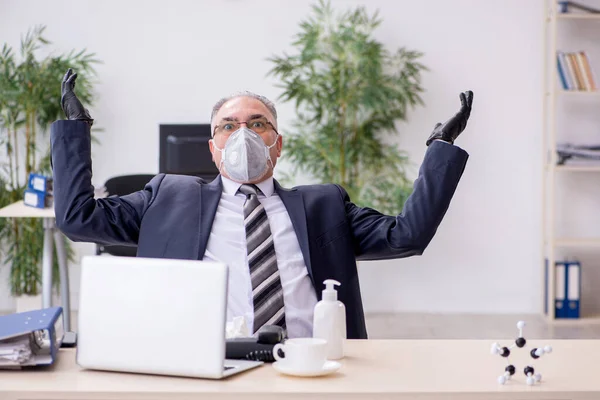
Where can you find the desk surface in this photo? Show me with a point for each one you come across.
(399, 369)
(20, 210)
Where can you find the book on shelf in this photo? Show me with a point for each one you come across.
(575, 72)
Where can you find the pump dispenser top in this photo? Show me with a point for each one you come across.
(330, 294)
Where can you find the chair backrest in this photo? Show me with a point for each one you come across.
(126, 184)
(121, 186)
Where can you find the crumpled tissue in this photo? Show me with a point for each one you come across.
(236, 328)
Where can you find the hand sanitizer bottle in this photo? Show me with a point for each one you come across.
(329, 321)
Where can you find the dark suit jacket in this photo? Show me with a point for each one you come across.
(173, 215)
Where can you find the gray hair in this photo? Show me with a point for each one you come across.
(268, 103)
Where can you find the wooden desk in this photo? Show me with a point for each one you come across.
(20, 210)
(373, 369)
(52, 237)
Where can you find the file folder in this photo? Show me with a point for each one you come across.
(573, 289)
(30, 338)
(40, 183)
(567, 289)
(560, 291)
(33, 198)
(39, 191)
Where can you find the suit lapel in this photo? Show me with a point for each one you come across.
(294, 203)
(210, 194)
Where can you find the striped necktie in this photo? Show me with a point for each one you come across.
(267, 293)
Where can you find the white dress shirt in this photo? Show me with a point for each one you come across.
(227, 244)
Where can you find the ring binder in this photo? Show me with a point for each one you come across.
(567, 284)
(30, 338)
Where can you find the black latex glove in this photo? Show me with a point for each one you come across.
(450, 130)
(69, 102)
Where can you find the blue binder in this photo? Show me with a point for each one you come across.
(39, 192)
(39, 183)
(572, 289)
(567, 301)
(30, 338)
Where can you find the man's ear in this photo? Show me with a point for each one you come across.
(211, 147)
(279, 145)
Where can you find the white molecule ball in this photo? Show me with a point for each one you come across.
(548, 349)
(502, 379)
(537, 377)
(530, 380)
(521, 324)
(539, 352)
(495, 349)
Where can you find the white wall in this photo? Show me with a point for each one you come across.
(168, 61)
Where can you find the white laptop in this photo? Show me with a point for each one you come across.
(155, 316)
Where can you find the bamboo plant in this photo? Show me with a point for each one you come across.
(349, 93)
(30, 91)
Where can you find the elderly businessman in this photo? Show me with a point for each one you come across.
(280, 244)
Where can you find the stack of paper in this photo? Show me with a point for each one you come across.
(15, 353)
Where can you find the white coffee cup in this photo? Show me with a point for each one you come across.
(302, 354)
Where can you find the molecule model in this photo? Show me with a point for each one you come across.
(520, 343)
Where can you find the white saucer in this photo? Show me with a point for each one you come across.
(328, 368)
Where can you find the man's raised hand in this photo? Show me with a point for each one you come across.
(69, 102)
(450, 130)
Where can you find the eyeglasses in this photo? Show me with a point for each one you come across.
(258, 125)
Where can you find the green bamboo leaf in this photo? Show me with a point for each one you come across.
(29, 102)
(349, 93)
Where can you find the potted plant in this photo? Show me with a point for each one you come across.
(349, 92)
(29, 103)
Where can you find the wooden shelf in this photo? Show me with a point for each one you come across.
(577, 16)
(555, 97)
(578, 168)
(579, 92)
(583, 320)
(577, 242)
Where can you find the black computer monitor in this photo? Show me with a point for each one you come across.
(184, 150)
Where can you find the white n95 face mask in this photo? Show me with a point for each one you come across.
(245, 156)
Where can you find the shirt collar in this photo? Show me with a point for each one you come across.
(267, 187)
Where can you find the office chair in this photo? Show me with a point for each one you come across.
(120, 186)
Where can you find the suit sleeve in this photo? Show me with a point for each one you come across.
(112, 220)
(377, 236)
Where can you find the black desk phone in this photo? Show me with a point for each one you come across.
(256, 348)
